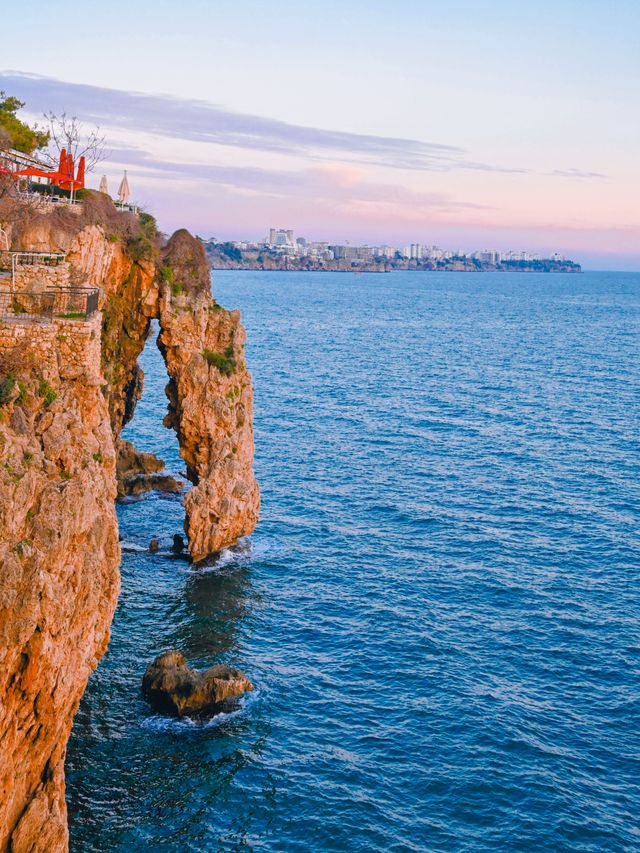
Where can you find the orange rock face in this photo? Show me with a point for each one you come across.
(210, 403)
(59, 558)
(66, 390)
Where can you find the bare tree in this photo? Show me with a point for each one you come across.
(16, 209)
(67, 132)
(16, 138)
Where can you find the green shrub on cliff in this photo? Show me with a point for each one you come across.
(142, 246)
(46, 392)
(231, 251)
(148, 224)
(6, 389)
(166, 274)
(225, 362)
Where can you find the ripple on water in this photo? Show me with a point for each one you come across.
(440, 607)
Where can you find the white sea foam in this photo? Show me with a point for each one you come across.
(133, 546)
(159, 723)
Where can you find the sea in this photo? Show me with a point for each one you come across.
(440, 607)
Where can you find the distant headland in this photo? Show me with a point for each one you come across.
(281, 251)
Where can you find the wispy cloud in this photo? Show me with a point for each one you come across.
(330, 187)
(577, 173)
(201, 121)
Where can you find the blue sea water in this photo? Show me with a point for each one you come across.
(440, 608)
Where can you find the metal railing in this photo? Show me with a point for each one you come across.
(11, 260)
(65, 303)
(43, 199)
(121, 205)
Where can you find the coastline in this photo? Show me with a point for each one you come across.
(357, 270)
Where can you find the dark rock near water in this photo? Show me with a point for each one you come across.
(131, 461)
(132, 393)
(172, 687)
(178, 544)
(139, 472)
(150, 482)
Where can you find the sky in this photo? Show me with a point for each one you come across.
(467, 125)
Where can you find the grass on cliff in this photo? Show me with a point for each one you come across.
(225, 362)
(143, 245)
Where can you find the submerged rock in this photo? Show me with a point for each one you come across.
(172, 687)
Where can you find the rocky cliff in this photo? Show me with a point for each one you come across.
(67, 388)
(59, 558)
(210, 400)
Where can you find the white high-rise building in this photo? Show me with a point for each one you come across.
(281, 237)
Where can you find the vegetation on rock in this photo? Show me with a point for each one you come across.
(6, 389)
(225, 362)
(15, 133)
(46, 392)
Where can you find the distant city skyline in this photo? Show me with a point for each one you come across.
(286, 240)
(477, 124)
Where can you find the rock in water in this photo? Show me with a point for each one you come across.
(133, 486)
(178, 544)
(172, 687)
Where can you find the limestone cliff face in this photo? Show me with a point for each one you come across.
(66, 390)
(210, 401)
(101, 258)
(59, 557)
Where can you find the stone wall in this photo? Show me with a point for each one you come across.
(67, 348)
(38, 277)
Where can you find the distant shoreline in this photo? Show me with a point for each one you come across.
(380, 270)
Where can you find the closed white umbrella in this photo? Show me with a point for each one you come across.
(104, 186)
(123, 189)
